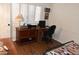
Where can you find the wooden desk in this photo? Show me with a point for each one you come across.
(24, 33)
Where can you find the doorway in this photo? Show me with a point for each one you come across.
(5, 25)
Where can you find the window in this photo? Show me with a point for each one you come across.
(37, 13)
(34, 13)
(31, 12)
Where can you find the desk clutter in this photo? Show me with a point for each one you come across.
(3, 49)
(70, 48)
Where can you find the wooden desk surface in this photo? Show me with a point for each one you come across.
(9, 43)
(25, 27)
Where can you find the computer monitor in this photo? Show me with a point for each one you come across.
(42, 23)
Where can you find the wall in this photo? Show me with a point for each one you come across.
(66, 18)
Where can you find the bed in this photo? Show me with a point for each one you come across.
(69, 48)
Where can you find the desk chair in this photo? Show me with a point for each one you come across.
(47, 36)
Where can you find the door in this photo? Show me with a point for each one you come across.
(5, 20)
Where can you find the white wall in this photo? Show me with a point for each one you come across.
(66, 18)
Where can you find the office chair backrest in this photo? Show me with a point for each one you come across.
(48, 34)
(51, 30)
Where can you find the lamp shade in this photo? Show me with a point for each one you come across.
(19, 17)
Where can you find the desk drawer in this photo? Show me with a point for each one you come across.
(24, 33)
